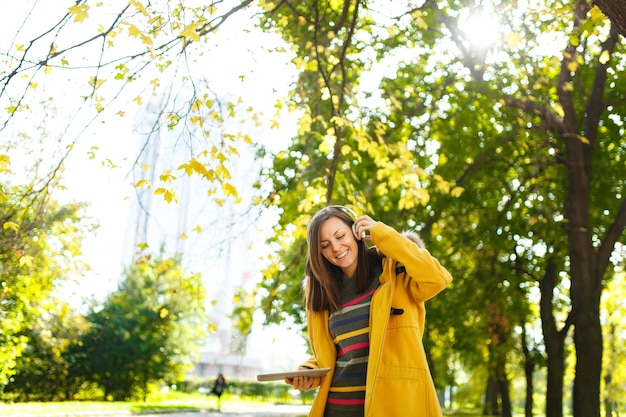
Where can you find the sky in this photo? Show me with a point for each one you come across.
(98, 171)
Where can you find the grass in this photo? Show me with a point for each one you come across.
(171, 402)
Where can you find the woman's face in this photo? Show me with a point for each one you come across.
(339, 246)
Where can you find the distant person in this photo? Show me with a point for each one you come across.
(365, 315)
(218, 389)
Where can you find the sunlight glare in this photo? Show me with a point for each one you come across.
(481, 29)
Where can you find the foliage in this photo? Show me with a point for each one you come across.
(147, 332)
(614, 319)
(44, 372)
(505, 154)
(494, 150)
(39, 249)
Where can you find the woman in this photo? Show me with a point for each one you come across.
(218, 389)
(365, 315)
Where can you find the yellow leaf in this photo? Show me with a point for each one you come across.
(443, 186)
(513, 39)
(136, 33)
(140, 8)
(10, 225)
(222, 157)
(229, 190)
(283, 21)
(5, 161)
(79, 11)
(197, 229)
(197, 120)
(558, 109)
(596, 13)
(183, 236)
(212, 327)
(26, 260)
(166, 176)
(142, 246)
(189, 32)
(168, 195)
(456, 191)
(223, 172)
(138, 100)
(143, 183)
(133, 30)
(604, 57)
(583, 139)
(163, 313)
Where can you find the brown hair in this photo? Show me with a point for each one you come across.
(323, 279)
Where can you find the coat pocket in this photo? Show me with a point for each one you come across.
(402, 392)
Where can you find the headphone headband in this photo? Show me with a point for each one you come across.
(345, 209)
(353, 216)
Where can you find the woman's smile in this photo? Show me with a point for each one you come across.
(339, 246)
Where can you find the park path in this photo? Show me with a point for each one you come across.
(242, 411)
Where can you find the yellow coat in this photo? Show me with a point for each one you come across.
(399, 383)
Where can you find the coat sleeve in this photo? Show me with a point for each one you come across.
(428, 277)
(311, 363)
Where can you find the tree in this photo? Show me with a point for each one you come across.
(40, 247)
(147, 332)
(524, 98)
(43, 371)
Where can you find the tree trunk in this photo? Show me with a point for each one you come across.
(588, 342)
(554, 341)
(529, 369)
(586, 286)
(587, 266)
(497, 399)
(503, 385)
(491, 398)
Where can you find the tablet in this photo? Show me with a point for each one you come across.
(292, 374)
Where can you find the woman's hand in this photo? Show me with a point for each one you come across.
(362, 227)
(301, 383)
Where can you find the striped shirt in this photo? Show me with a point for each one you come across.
(349, 328)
